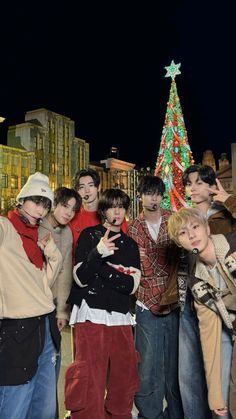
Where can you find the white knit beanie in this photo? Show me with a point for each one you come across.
(36, 185)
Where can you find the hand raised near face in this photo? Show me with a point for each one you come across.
(219, 194)
(110, 242)
(106, 246)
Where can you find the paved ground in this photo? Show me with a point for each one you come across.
(66, 360)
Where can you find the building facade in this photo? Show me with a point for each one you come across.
(225, 172)
(46, 142)
(58, 153)
(15, 167)
(123, 175)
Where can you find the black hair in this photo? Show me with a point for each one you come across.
(86, 172)
(205, 173)
(151, 185)
(37, 199)
(110, 198)
(62, 195)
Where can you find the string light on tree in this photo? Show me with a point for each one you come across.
(174, 154)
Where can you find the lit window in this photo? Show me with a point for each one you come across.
(4, 181)
(23, 181)
(14, 182)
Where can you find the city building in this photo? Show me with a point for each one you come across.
(58, 153)
(15, 167)
(209, 159)
(46, 142)
(224, 172)
(122, 175)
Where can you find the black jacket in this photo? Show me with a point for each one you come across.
(21, 343)
(107, 288)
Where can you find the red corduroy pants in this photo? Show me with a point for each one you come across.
(104, 376)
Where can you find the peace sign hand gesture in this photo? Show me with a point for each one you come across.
(220, 194)
(106, 246)
(109, 242)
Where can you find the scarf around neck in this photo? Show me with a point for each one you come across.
(29, 236)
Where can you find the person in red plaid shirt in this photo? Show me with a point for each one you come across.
(156, 332)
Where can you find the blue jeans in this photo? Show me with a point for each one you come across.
(192, 381)
(156, 339)
(226, 350)
(36, 399)
(191, 368)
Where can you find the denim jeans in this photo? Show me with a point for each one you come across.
(36, 399)
(226, 350)
(58, 368)
(191, 368)
(156, 339)
(192, 380)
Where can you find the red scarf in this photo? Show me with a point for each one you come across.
(29, 236)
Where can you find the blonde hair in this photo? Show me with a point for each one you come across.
(182, 217)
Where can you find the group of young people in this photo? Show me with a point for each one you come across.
(180, 363)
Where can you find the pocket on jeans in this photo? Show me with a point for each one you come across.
(76, 386)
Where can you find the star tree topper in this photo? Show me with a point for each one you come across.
(173, 70)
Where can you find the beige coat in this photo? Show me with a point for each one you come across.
(25, 290)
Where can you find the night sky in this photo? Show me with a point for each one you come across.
(102, 64)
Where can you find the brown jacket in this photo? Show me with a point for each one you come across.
(223, 221)
(210, 321)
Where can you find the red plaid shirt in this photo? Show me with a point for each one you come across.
(154, 265)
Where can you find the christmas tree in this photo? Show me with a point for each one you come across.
(174, 155)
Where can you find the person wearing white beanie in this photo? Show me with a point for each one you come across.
(29, 336)
(36, 198)
(36, 185)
